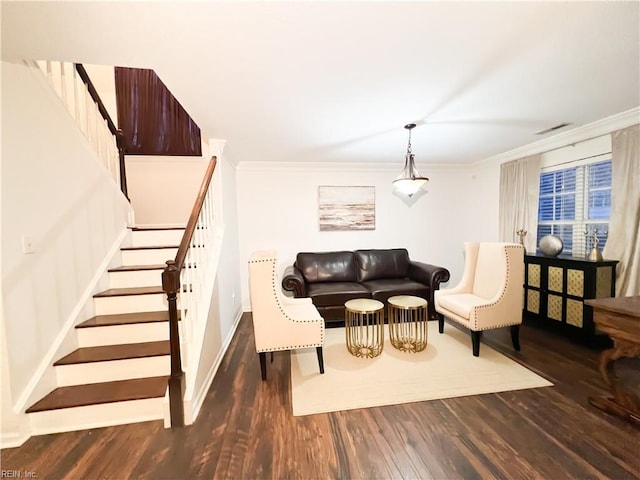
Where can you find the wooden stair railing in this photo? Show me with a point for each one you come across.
(82, 73)
(76, 90)
(199, 219)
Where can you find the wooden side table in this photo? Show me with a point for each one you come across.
(408, 327)
(364, 325)
(620, 319)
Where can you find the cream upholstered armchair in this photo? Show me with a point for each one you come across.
(280, 323)
(490, 294)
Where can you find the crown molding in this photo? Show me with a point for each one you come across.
(319, 167)
(570, 137)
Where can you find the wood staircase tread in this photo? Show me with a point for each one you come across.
(131, 291)
(135, 268)
(101, 393)
(153, 229)
(125, 319)
(123, 292)
(116, 352)
(150, 247)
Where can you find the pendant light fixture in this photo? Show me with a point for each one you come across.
(409, 181)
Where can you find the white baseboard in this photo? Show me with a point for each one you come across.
(193, 406)
(72, 319)
(13, 440)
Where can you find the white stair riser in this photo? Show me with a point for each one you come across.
(137, 278)
(120, 334)
(96, 416)
(130, 304)
(146, 238)
(148, 257)
(114, 370)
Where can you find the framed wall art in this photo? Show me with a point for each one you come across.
(346, 208)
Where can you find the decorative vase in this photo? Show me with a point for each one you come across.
(551, 245)
(595, 255)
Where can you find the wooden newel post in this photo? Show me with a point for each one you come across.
(123, 168)
(171, 286)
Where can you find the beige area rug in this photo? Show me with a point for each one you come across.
(445, 369)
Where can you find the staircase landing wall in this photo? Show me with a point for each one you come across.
(163, 189)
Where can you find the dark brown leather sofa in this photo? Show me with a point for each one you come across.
(332, 278)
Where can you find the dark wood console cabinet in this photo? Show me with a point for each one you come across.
(555, 289)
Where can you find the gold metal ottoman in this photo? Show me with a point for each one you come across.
(408, 326)
(364, 325)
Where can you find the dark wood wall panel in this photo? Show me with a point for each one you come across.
(151, 119)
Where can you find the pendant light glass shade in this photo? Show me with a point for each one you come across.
(409, 181)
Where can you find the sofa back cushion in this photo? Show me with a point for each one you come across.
(379, 264)
(326, 267)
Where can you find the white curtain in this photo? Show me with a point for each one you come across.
(623, 240)
(519, 186)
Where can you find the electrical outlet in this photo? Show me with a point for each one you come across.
(27, 244)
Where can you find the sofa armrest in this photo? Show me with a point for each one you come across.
(432, 276)
(293, 281)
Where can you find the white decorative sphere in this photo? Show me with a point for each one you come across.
(551, 245)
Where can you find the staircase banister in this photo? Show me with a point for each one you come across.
(171, 286)
(82, 72)
(189, 230)
(117, 133)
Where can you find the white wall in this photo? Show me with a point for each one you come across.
(483, 195)
(163, 189)
(54, 191)
(278, 208)
(229, 277)
(13, 427)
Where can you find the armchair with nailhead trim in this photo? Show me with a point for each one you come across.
(490, 293)
(279, 322)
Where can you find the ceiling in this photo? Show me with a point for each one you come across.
(337, 81)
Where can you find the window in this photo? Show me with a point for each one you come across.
(573, 203)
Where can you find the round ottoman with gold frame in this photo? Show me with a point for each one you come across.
(408, 326)
(364, 325)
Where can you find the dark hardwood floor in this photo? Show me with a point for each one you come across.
(246, 430)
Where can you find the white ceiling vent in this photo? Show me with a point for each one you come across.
(552, 129)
